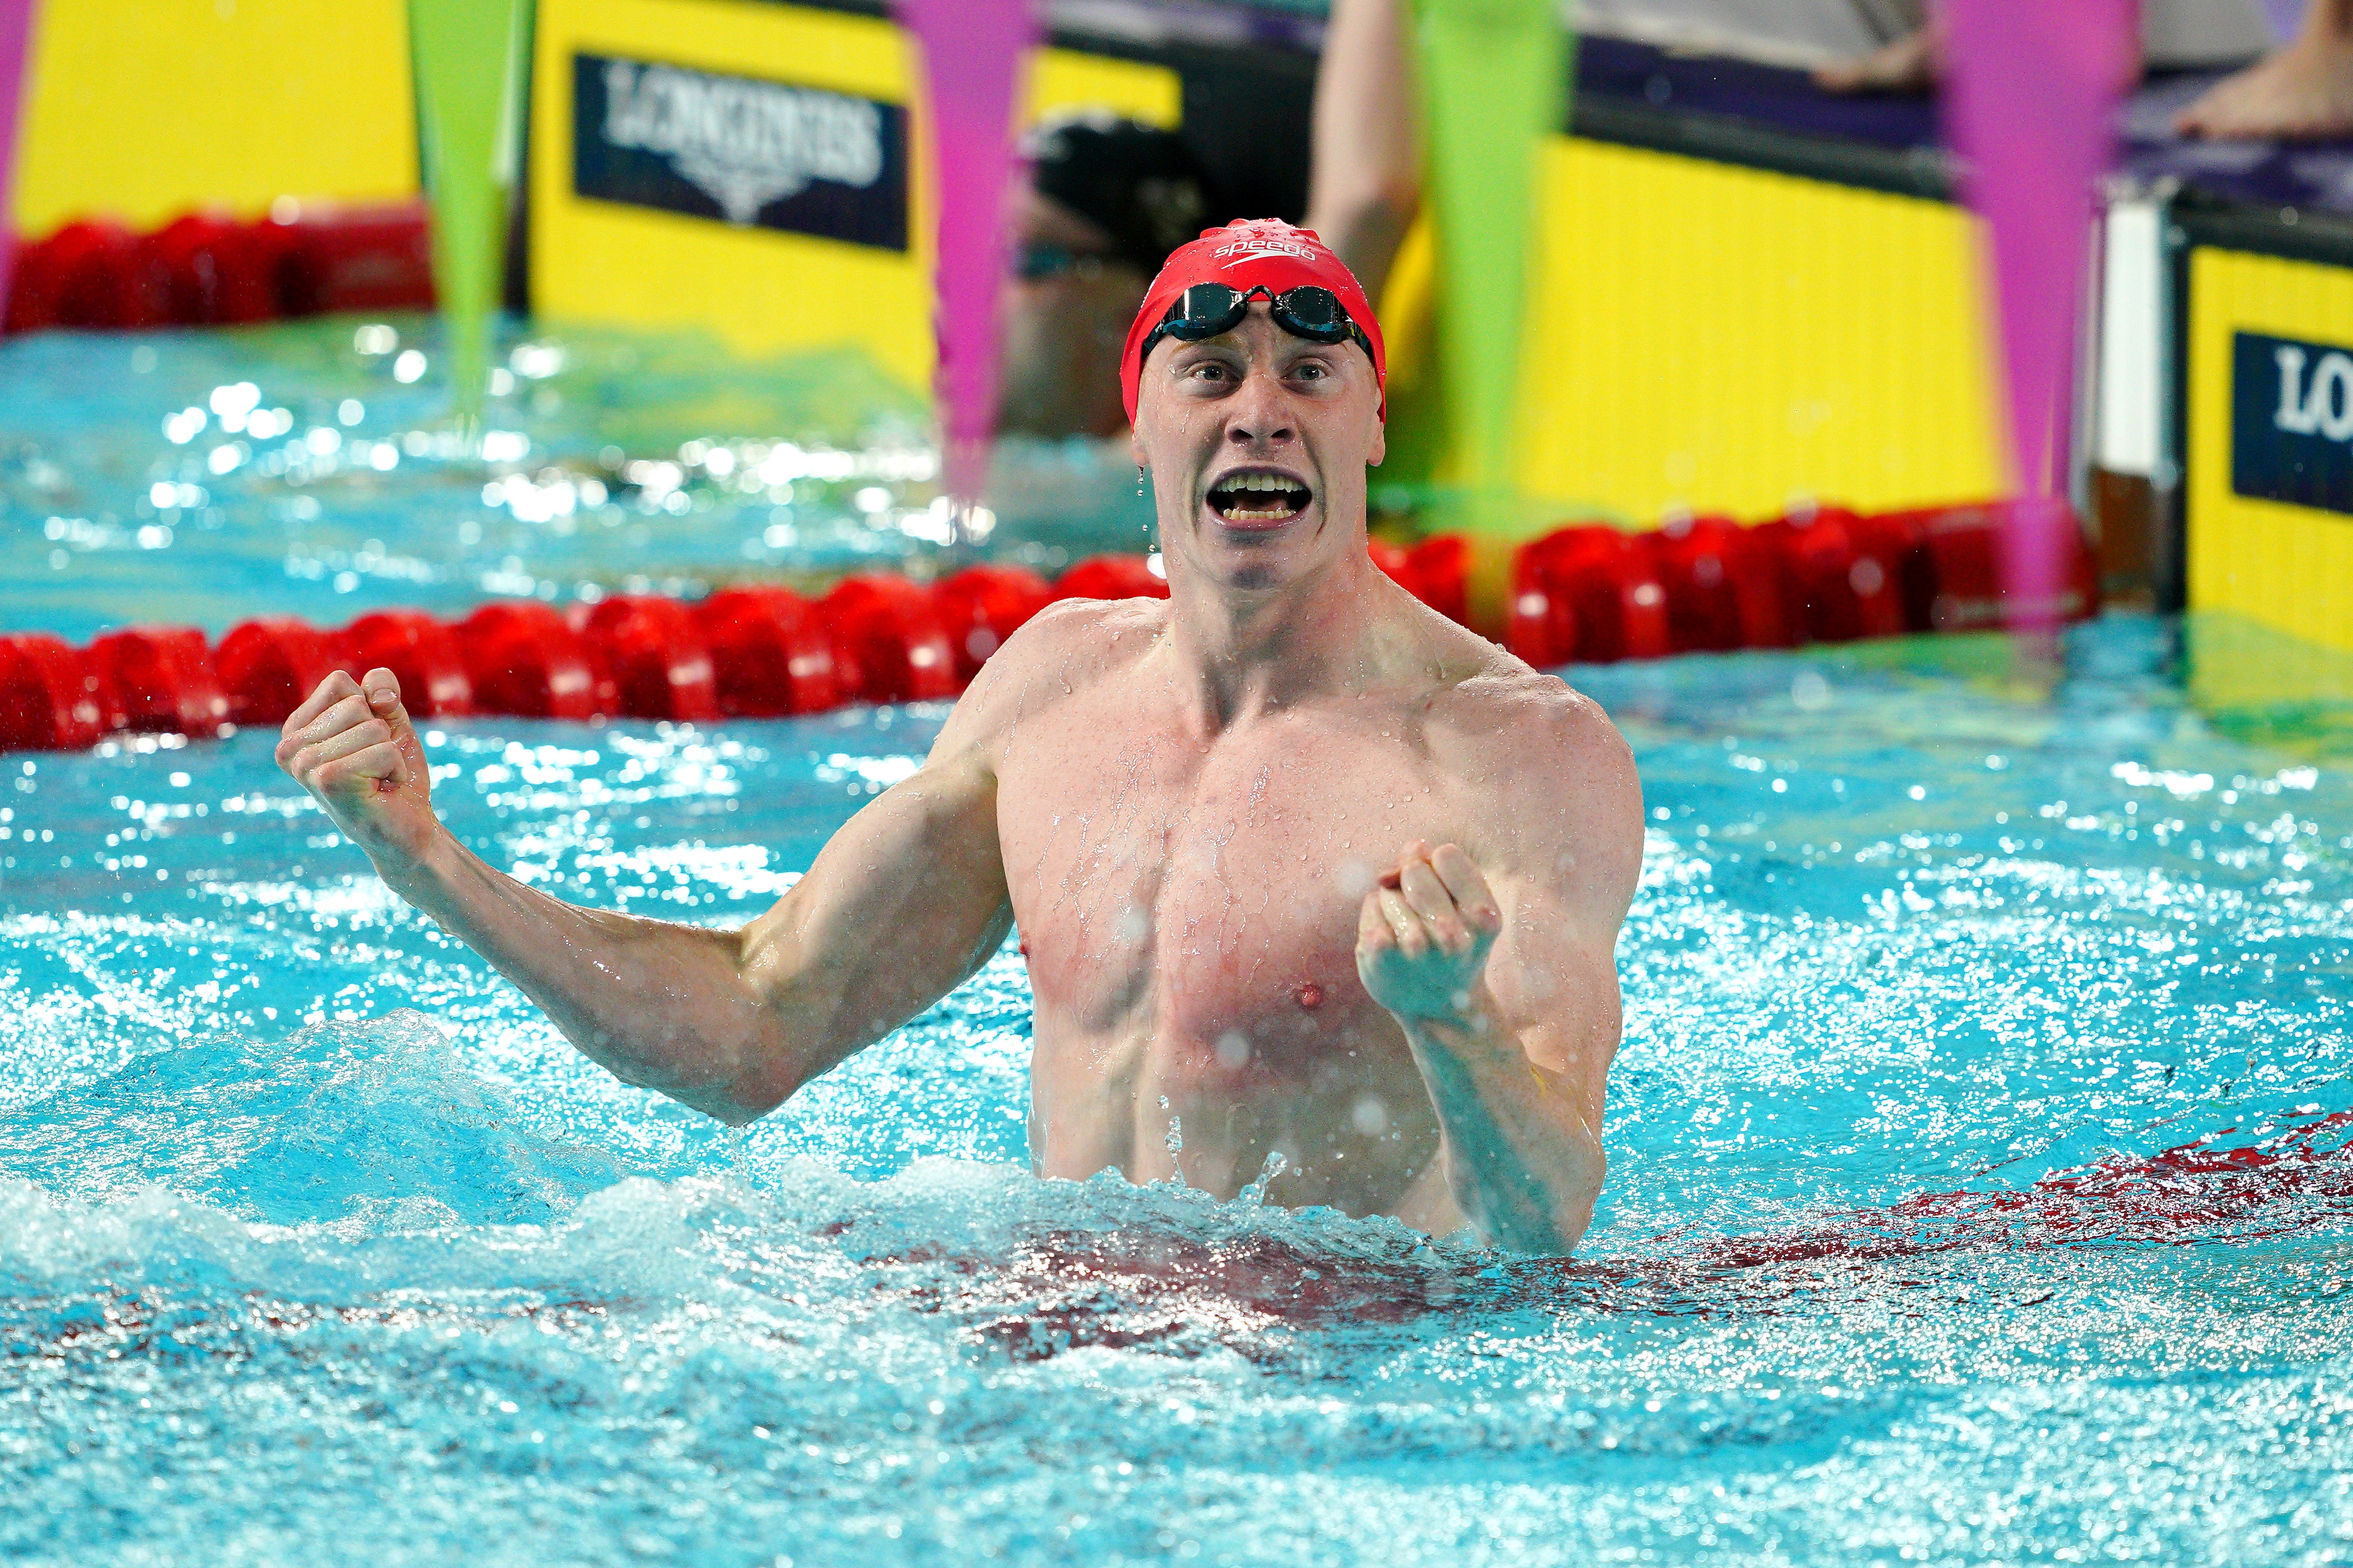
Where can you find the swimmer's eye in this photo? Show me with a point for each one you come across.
(1208, 370)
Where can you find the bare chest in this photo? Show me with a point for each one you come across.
(1204, 894)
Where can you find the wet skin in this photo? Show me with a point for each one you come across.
(1332, 877)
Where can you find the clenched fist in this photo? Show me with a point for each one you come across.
(1423, 934)
(352, 746)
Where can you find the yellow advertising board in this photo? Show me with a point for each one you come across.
(2269, 457)
(142, 110)
(617, 240)
(1710, 337)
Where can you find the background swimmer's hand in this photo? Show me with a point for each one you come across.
(353, 747)
(1423, 932)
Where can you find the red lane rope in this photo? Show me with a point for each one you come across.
(205, 269)
(1588, 592)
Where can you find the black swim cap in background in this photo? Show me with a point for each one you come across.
(1135, 181)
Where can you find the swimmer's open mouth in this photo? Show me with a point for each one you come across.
(1259, 496)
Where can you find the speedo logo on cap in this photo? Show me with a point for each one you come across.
(1234, 252)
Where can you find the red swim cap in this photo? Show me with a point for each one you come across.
(1250, 253)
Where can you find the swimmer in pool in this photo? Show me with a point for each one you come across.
(1300, 867)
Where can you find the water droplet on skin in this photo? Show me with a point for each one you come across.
(1233, 1050)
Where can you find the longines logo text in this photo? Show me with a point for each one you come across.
(740, 149)
(2292, 421)
(2325, 408)
(747, 143)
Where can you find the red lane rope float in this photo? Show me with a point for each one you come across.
(981, 607)
(421, 652)
(1437, 573)
(771, 653)
(651, 647)
(267, 666)
(1585, 592)
(218, 271)
(892, 629)
(1850, 577)
(205, 267)
(1955, 583)
(1110, 577)
(49, 700)
(1589, 592)
(90, 273)
(523, 658)
(1725, 588)
(161, 680)
(375, 258)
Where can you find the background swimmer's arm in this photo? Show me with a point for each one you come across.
(1364, 183)
(1508, 992)
(903, 903)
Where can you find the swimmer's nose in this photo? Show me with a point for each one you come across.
(1260, 415)
(1269, 431)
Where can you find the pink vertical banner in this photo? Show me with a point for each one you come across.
(2030, 99)
(972, 60)
(16, 40)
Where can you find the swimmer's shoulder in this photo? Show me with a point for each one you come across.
(1067, 649)
(1539, 755)
(1482, 695)
(1078, 641)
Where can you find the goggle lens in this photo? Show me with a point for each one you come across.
(1311, 311)
(1205, 309)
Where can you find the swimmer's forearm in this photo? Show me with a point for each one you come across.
(663, 1006)
(900, 905)
(1520, 1161)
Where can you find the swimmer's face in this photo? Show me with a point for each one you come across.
(1258, 443)
(1064, 328)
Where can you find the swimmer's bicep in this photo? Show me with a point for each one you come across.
(901, 905)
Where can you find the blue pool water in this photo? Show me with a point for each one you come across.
(318, 1244)
(308, 468)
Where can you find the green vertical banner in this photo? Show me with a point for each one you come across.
(468, 60)
(1494, 84)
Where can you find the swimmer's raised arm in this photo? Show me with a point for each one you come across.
(1504, 979)
(905, 902)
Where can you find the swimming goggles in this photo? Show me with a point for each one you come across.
(1308, 311)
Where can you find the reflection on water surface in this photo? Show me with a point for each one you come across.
(1979, 1186)
(313, 1226)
